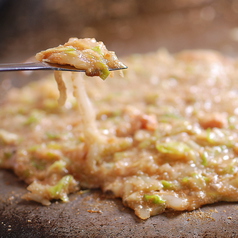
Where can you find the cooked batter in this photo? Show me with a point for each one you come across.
(164, 137)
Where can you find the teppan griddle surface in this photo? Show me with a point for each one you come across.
(92, 214)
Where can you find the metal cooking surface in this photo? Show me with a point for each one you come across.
(93, 214)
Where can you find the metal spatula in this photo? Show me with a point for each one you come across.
(43, 66)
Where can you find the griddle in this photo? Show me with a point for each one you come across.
(135, 27)
(93, 214)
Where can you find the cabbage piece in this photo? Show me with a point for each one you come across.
(154, 198)
(175, 150)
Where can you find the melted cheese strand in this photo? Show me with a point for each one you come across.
(93, 139)
(86, 109)
(61, 87)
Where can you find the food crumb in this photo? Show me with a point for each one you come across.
(213, 210)
(83, 191)
(94, 211)
(11, 198)
(28, 220)
(201, 215)
(229, 218)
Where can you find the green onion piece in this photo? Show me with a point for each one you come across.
(104, 73)
(52, 136)
(175, 150)
(65, 49)
(229, 169)
(7, 155)
(204, 158)
(50, 104)
(26, 173)
(34, 117)
(185, 179)
(30, 120)
(34, 148)
(59, 190)
(98, 50)
(57, 166)
(38, 164)
(145, 144)
(196, 181)
(232, 122)
(103, 69)
(156, 199)
(167, 184)
(210, 136)
(53, 145)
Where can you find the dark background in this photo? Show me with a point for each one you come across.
(125, 26)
